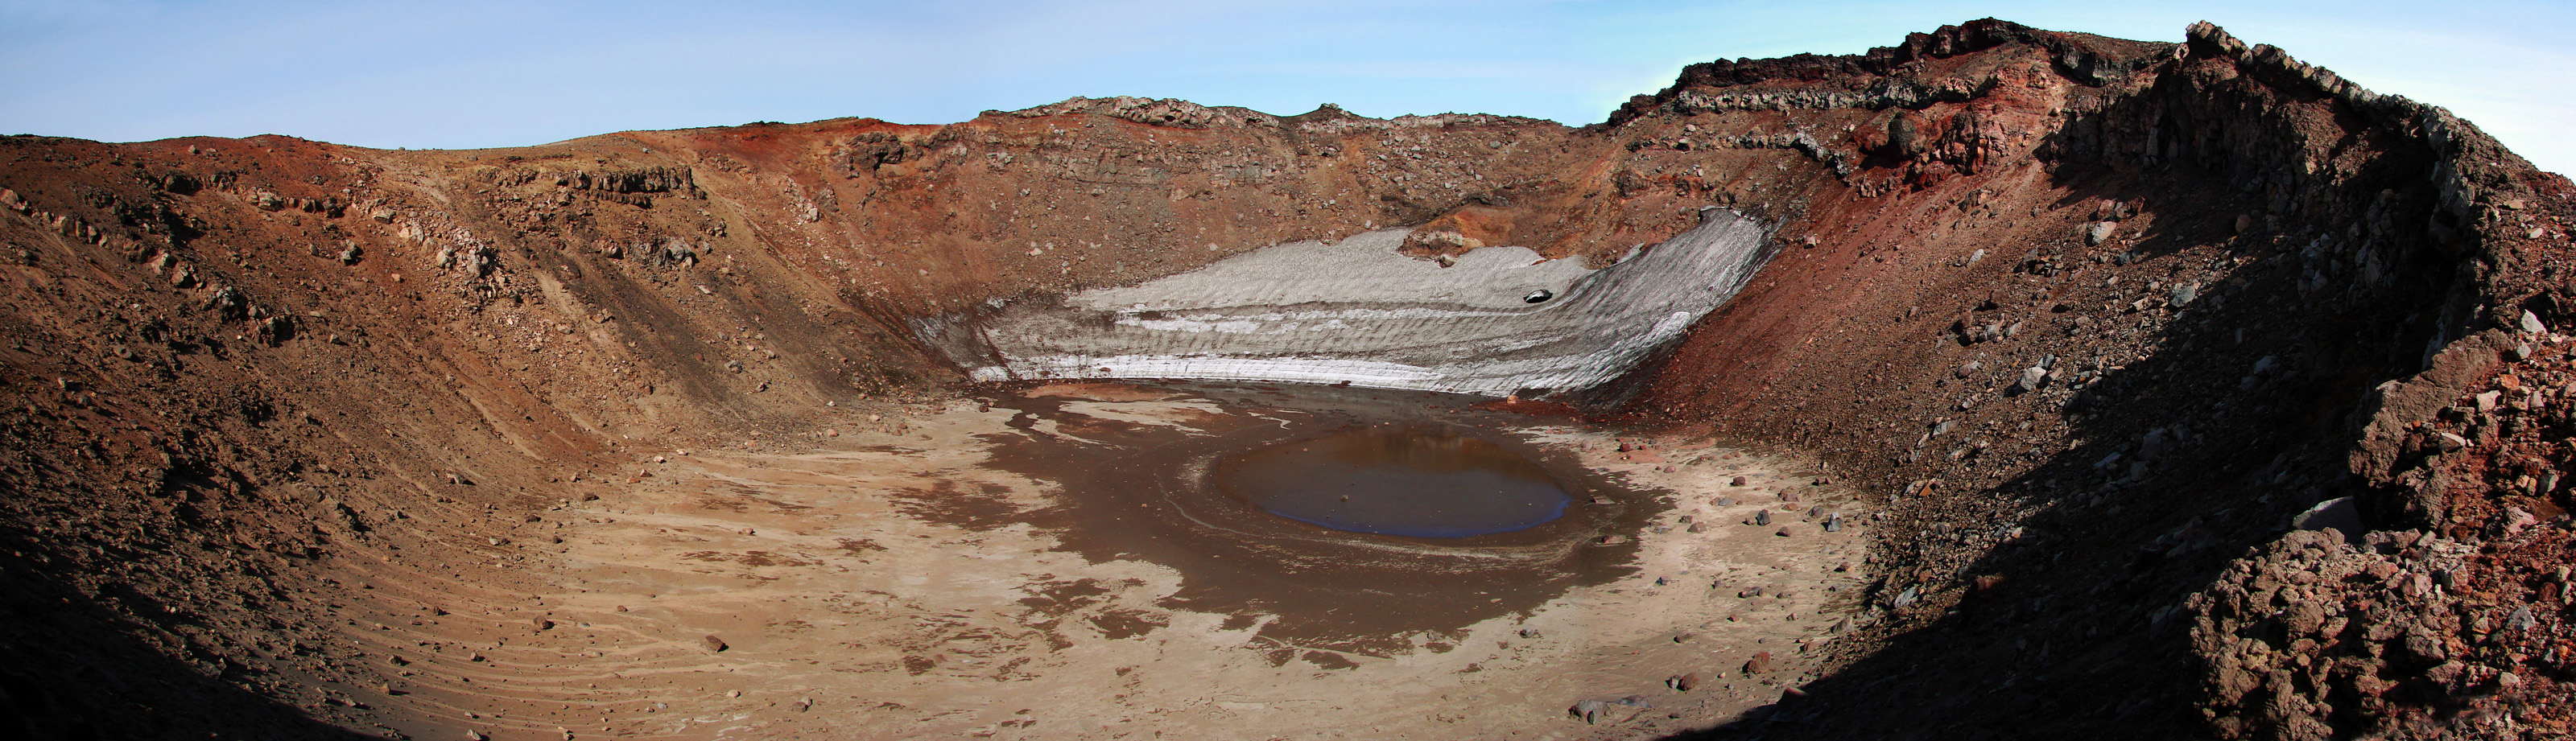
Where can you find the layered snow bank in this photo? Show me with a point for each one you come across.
(1359, 312)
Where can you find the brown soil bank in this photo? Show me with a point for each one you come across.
(2091, 320)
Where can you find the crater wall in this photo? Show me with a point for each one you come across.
(2093, 318)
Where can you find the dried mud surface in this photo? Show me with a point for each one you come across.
(890, 582)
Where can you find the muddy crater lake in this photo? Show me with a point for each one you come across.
(1415, 481)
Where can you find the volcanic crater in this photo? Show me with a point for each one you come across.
(2001, 383)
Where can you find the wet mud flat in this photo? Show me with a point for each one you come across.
(1164, 484)
(1068, 561)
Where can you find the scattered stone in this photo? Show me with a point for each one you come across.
(1613, 539)
(1739, 481)
(1683, 682)
(2531, 323)
(542, 623)
(2099, 232)
(1761, 662)
(1834, 522)
(2451, 443)
(2031, 379)
(1762, 518)
(2152, 446)
(1530, 633)
(2521, 620)
(1784, 532)
(713, 644)
(1590, 710)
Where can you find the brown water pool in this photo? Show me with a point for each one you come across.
(1422, 482)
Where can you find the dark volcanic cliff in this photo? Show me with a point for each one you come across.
(2095, 319)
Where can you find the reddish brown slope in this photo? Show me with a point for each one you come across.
(2280, 244)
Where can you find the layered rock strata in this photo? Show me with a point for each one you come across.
(1496, 321)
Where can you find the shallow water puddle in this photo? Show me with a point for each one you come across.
(1421, 482)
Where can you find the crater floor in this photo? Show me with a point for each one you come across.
(920, 575)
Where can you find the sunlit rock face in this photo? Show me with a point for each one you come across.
(1497, 321)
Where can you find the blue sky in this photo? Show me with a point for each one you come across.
(479, 73)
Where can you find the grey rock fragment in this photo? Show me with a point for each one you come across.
(1590, 710)
(2031, 379)
(2099, 232)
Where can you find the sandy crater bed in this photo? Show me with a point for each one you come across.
(897, 581)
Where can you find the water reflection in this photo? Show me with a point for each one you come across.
(1415, 482)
